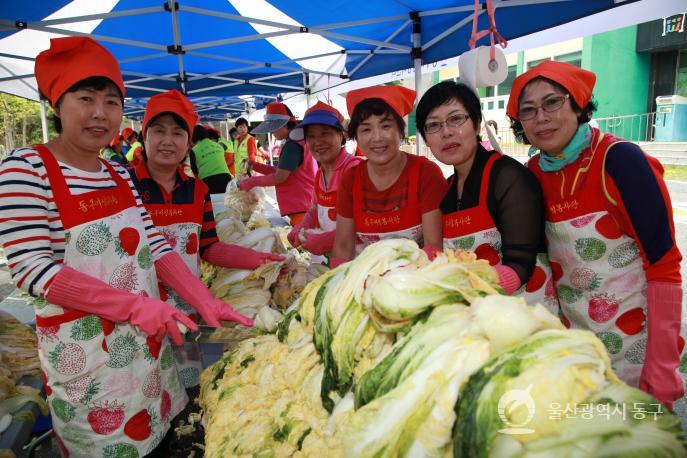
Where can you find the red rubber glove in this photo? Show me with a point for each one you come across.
(237, 257)
(509, 281)
(263, 168)
(309, 222)
(172, 270)
(319, 243)
(76, 290)
(431, 251)
(659, 376)
(250, 183)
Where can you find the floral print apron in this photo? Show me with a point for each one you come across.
(474, 229)
(181, 225)
(112, 390)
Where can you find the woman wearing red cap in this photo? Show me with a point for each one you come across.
(181, 208)
(609, 227)
(79, 240)
(324, 136)
(494, 205)
(392, 194)
(294, 177)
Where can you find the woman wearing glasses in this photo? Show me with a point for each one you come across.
(609, 227)
(494, 205)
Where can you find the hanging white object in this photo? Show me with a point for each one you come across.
(477, 69)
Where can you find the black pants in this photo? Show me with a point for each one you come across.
(217, 183)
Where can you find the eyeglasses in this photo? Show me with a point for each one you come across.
(549, 106)
(455, 120)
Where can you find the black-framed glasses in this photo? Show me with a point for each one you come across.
(455, 120)
(549, 106)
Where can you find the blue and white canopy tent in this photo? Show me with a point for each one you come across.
(216, 50)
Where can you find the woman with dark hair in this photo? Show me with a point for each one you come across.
(182, 211)
(493, 205)
(208, 162)
(245, 148)
(324, 136)
(79, 240)
(294, 177)
(609, 227)
(392, 194)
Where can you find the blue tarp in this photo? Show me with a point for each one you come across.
(151, 59)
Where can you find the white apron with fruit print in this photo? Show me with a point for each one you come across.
(597, 268)
(473, 229)
(112, 390)
(181, 225)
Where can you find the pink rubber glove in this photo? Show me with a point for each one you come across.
(76, 290)
(309, 222)
(319, 243)
(659, 376)
(250, 183)
(237, 257)
(508, 279)
(262, 168)
(431, 251)
(172, 270)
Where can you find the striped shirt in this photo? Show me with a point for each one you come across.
(31, 231)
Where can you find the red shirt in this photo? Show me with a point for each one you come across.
(430, 192)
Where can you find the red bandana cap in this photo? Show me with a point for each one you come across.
(399, 98)
(127, 132)
(73, 59)
(171, 102)
(578, 82)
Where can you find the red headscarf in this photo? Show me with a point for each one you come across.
(73, 59)
(399, 98)
(578, 82)
(171, 102)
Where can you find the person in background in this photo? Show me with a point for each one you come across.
(294, 177)
(208, 162)
(324, 136)
(113, 151)
(79, 240)
(134, 153)
(494, 205)
(245, 149)
(609, 227)
(392, 194)
(181, 208)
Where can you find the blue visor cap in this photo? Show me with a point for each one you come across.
(323, 117)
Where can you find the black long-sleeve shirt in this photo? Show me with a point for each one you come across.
(515, 203)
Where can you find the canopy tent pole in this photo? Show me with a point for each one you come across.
(306, 88)
(416, 53)
(44, 122)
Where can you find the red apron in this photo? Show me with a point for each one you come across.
(110, 391)
(474, 229)
(597, 268)
(181, 226)
(402, 223)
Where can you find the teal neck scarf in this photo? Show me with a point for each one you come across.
(570, 153)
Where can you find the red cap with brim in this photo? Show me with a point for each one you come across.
(277, 115)
(577, 81)
(171, 102)
(73, 59)
(399, 98)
